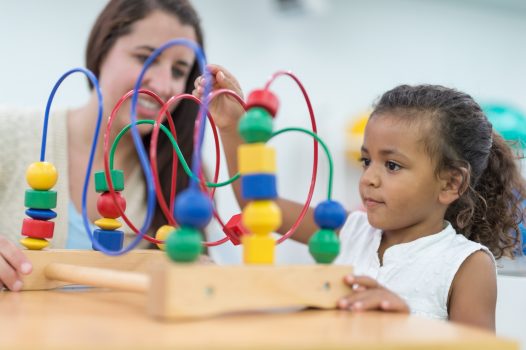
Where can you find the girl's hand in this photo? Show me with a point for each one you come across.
(368, 294)
(13, 264)
(225, 110)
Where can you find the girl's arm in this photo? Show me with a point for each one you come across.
(473, 293)
(226, 112)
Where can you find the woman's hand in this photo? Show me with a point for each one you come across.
(225, 110)
(368, 294)
(13, 264)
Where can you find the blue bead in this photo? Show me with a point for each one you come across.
(41, 214)
(258, 186)
(110, 240)
(193, 208)
(329, 215)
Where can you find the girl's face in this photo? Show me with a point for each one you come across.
(398, 186)
(166, 76)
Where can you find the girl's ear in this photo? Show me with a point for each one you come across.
(454, 182)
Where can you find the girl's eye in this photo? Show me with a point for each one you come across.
(365, 162)
(392, 166)
(141, 58)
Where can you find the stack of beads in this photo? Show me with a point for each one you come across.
(41, 177)
(324, 245)
(257, 166)
(107, 235)
(193, 211)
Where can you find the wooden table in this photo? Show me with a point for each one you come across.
(82, 318)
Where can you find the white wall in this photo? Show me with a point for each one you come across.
(346, 53)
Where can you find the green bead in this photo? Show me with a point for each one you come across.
(184, 244)
(256, 125)
(40, 199)
(324, 246)
(117, 179)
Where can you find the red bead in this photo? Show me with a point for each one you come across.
(234, 229)
(106, 206)
(37, 228)
(265, 99)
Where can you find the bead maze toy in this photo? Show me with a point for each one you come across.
(177, 286)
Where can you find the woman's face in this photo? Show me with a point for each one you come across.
(166, 76)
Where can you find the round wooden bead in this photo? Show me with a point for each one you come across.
(324, 246)
(37, 228)
(41, 176)
(255, 125)
(117, 179)
(106, 206)
(329, 214)
(110, 240)
(108, 224)
(40, 199)
(265, 99)
(41, 214)
(193, 208)
(162, 233)
(34, 243)
(258, 186)
(184, 244)
(261, 217)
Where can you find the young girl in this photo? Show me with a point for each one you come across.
(442, 196)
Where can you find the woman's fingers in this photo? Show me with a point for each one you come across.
(13, 264)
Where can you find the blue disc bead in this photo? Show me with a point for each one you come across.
(41, 214)
(193, 208)
(329, 215)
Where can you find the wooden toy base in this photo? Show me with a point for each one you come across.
(177, 291)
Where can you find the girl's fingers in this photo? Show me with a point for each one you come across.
(363, 281)
(14, 257)
(373, 299)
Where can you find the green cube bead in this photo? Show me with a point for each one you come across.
(256, 125)
(36, 199)
(117, 179)
(184, 244)
(324, 246)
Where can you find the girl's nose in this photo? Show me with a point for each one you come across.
(370, 177)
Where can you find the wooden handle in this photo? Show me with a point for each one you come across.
(98, 277)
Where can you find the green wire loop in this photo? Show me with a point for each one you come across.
(325, 148)
(167, 132)
(189, 172)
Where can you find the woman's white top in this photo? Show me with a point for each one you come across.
(420, 272)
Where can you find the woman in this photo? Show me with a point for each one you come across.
(124, 35)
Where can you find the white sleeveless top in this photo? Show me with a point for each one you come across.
(420, 272)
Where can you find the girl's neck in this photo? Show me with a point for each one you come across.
(409, 234)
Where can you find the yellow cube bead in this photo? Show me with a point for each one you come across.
(108, 224)
(258, 249)
(34, 243)
(41, 176)
(256, 158)
(261, 217)
(162, 233)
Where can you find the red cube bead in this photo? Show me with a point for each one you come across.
(234, 229)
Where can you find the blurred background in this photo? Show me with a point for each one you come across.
(346, 53)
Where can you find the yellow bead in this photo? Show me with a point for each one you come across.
(34, 243)
(262, 217)
(258, 249)
(162, 233)
(41, 176)
(256, 158)
(108, 224)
